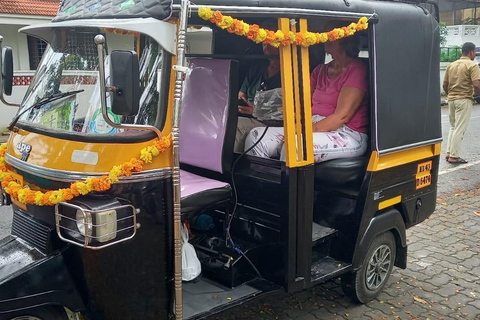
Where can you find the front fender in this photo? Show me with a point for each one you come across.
(389, 220)
(30, 279)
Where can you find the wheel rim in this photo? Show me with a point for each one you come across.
(26, 318)
(378, 267)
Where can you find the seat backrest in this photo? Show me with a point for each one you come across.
(209, 114)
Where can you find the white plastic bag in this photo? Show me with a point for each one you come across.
(268, 105)
(191, 267)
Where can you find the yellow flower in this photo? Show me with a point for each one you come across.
(245, 29)
(39, 198)
(82, 188)
(310, 38)
(145, 155)
(227, 21)
(262, 35)
(22, 195)
(292, 37)
(363, 20)
(155, 152)
(56, 197)
(205, 13)
(115, 173)
(279, 35)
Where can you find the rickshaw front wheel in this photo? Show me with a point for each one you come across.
(41, 313)
(366, 283)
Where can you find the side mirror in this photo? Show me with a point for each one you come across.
(7, 70)
(125, 82)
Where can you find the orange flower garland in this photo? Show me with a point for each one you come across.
(49, 198)
(279, 38)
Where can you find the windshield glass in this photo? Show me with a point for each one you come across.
(70, 63)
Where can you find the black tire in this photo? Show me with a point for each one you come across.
(41, 313)
(366, 283)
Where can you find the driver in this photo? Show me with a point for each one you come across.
(264, 75)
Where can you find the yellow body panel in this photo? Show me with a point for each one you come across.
(378, 163)
(389, 202)
(55, 153)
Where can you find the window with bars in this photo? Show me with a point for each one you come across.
(36, 48)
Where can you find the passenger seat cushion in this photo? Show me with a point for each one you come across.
(341, 171)
(198, 192)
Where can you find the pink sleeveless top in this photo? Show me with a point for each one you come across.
(326, 92)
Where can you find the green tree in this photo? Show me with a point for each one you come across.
(443, 33)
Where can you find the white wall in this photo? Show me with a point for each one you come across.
(458, 35)
(9, 25)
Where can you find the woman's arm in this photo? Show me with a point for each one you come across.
(349, 100)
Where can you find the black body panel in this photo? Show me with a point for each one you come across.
(43, 279)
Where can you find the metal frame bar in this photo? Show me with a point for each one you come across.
(58, 227)
(177, 103)
(100, 42)
(274, 11)
(72, 176)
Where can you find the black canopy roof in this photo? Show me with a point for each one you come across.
(118, 9)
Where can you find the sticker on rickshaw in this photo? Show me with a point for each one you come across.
(423, 176)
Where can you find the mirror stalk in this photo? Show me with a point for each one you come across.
(100, 42)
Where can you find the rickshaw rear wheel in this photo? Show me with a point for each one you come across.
(41, 313)
(366, 283)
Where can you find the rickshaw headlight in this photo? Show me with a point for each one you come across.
(106, 225)
(84, 222)
(95, 224)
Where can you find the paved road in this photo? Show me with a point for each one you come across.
(442, 280)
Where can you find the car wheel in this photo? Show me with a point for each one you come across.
(366, 283)
(42, 313)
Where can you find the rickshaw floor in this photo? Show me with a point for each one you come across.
(327, 268)
(203, 296)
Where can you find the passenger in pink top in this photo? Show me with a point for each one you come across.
(339, 108)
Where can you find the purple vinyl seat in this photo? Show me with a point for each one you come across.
(207, 134)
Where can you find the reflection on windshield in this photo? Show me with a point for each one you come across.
(71, 63)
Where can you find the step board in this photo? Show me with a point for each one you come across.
(328, 268)
(321, 234)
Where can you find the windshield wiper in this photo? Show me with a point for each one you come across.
(42, 102)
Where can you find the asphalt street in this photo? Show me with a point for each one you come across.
(442, 279)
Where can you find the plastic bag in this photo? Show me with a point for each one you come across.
(268, 105)
(191, 267)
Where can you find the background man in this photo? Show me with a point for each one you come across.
(461, 78)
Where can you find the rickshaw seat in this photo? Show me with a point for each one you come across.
(207, 133)
(347, 171)
(198, 193)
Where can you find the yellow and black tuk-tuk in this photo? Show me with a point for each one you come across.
(127, 133)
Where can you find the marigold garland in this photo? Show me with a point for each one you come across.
(279, 38)
(26, 195)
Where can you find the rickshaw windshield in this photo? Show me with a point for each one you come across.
(65, 92)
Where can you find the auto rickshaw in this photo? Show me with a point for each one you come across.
(126, 134)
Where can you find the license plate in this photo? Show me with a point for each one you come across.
(423, 177)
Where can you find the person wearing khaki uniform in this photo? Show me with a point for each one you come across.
(462, 77)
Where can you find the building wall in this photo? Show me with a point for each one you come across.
(458, 35)
(18, 42)
(9, 26)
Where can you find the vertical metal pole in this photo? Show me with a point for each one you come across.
(1, 65)
(177, 223)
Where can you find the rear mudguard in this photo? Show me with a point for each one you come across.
(389, 220)
(30, 279)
